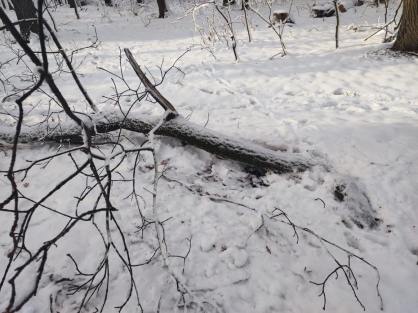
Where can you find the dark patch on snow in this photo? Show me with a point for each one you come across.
(258, 172)
(358, 206)
(348, 225)
(256, 176)
(257, 182)
(322, 11)
(357, 223)
(390, 55)
(339, 193)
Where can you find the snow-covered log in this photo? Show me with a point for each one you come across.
(189, 133)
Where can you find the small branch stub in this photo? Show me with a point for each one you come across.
(165, 104)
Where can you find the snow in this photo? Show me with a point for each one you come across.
(234, 257)
(290, 16)
(323, 5)
(354, 109)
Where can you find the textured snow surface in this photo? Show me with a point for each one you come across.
(355, 108)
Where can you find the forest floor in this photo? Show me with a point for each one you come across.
(354, 108)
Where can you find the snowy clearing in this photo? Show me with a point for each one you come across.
(355, 109)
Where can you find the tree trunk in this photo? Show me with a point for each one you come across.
(24, 10)
(162, 8)
(73, 4)
(213, 142)
(407, 38)
(109, 3)
(6, 5)
(227, 2)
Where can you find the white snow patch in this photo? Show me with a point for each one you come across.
(234, 256)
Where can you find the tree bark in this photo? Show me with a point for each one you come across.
(338, 23)
(227, 2)
(24, 10)
(6, 4)
(216, 143)
(407, 37)
(162, 8)
(73, 4)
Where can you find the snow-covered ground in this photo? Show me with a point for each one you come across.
(354, 108)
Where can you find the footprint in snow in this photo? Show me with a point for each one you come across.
(224, 82)
(249, 92)
(234, 257)
(209, 91)
(253, 101)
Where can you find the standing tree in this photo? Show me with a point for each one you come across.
(26, 10)
(407, 38)
(73, 5)
(162, 8)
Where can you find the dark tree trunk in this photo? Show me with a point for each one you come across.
(376, 2)
(24, 10)
(6, 4)
(162, 8)
(227, 2)
(245, 3)
(73, 4)
(407, 38)
(109, 3)
(189, 133)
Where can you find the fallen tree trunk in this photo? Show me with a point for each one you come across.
(218, 144)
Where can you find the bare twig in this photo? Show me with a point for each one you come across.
(165, 104)
(337, 26)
